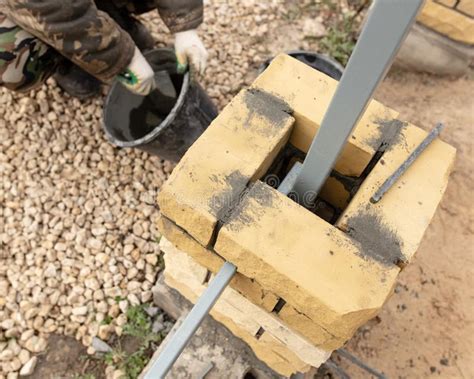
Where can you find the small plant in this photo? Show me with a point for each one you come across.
(342, 34)
(135, 363)
(84, 376)
(138, 326)
(161, 262)
(339, 40)
(118, 299)
(107, 320)
(115, 356)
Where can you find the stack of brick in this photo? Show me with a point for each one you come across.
(442, 40)
(303, 285)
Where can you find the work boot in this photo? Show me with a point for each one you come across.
(76, 82)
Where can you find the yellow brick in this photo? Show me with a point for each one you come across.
(243, 313)
(448, 3)
(267, 348)
(209, 259)
(449, 22)
(250, 289)
(311, 264)
(466, 6)
(335, 193)
(309, 93)
(306, 327)
(238, 147)
(397, 223)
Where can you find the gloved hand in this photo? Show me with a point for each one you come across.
(190, 50)
(138, 77)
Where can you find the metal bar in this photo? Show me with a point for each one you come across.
(200, 310)
(205, 371)
(287, 184)
(344, 353)
(386, 27)
(390, 181)
(338, 370)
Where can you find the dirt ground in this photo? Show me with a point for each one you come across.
(426, 329)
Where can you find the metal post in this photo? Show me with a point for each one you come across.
(200, 310)
(386, 27)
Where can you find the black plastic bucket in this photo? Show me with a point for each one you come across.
(131, 121)
(320, 62)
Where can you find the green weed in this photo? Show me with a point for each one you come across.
(84, 376)
(107, 320)
(339, 40)
(138, 326)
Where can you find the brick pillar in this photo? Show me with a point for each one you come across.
(303, 285)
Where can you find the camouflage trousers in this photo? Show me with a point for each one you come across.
(25, 61)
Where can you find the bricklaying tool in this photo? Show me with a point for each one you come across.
(386, 27)
(406, 164)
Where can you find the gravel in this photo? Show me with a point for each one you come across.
(77, 218)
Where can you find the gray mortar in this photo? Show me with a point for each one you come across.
(377, 240)
(276, 111)
(222, 203)
(243, 215)
(389, 134)
(266, 105)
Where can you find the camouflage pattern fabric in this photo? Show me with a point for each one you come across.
(178, 15)
(89, 37)
(25, 61)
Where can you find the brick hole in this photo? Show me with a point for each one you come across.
(208, 276)
(250, 374)
(338, 190)
(259, 333)
(279, 305)
(323, 207)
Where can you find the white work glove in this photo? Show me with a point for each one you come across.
(190, 50)
(138, 77)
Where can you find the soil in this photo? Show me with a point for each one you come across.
(66, 358)
(427, 328)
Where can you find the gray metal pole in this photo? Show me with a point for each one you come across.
(386, 27)
(200, 310)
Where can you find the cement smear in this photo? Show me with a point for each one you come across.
(378, 241)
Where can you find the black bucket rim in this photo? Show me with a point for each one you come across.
(147, 138)
(325, 57)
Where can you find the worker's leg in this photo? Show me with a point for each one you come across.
(82, 85)
(25, 61)
(124, 17)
